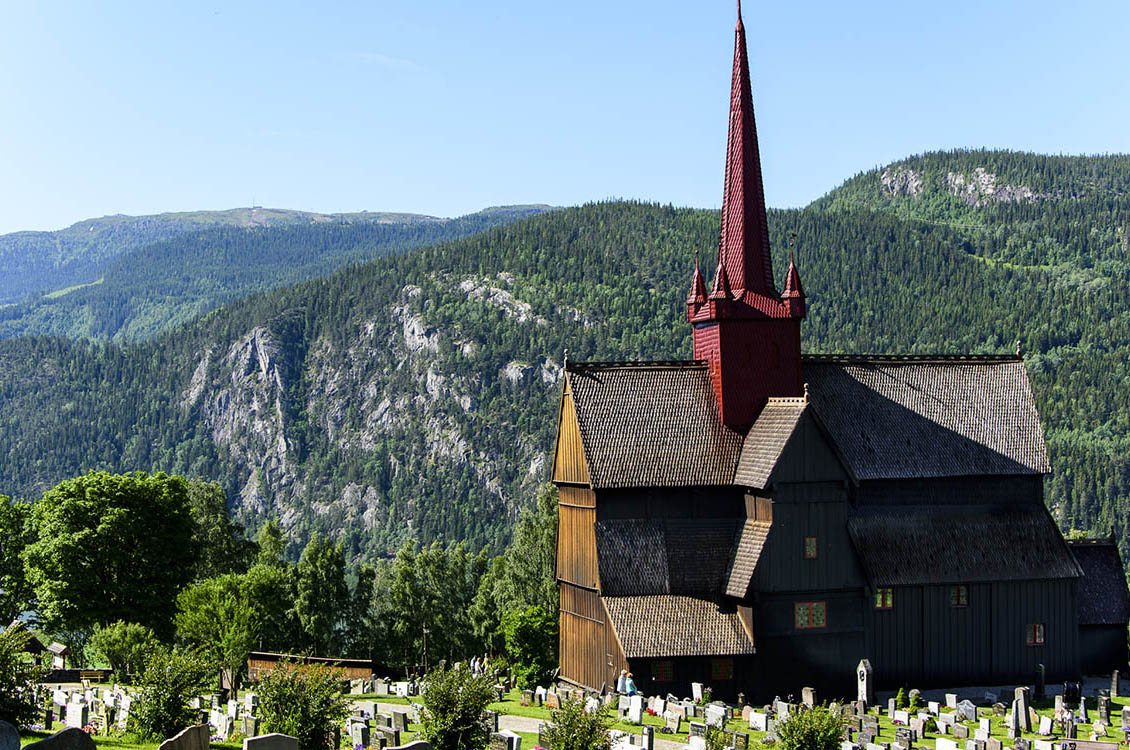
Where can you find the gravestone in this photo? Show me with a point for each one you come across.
(1000, 709)
(1083, 710)
(853, 722)
(1059, 707)
(866, 737)
(647, 738)
(904, 736)
(9, 737)
(1022, 709)
(1069, 729)
(864, 683)
(808, 697)
(388, 735)
(70, 738)
(919, 726)
(901, 717)
(1104, 709)
(271, 742)
(1126, 718)
(1072, 692)
(1043, 745)
(1023, 744)
(1115, 686)
(716, 716)
(993, 744)
(1098, 729)
(552, 701)
(359, 733)
(696, 691)
(960, 732)
(739, 740)
(635, 712)
(78, 715)
(951, 700)
(193, 738)
(966, 711)
(543, 737)
(1040, 674)
(250, 726)
(980, 735)
(674, 722)
(492, 719)
(934, 707)
(1045, 727)
(892, 706)
(944, 744)
(698, 729)
(781, 709)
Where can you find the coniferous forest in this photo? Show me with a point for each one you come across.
(414, 397)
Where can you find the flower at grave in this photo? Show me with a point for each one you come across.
(358, 746)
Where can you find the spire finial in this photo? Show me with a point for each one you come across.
(565, 360)
(1018, 353)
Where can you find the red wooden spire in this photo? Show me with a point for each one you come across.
(793, 295)
(698, 287)
(744, 246)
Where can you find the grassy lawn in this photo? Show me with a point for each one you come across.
(114, 741)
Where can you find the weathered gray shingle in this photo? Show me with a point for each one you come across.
(766, 440)
(919, 418)
(746, 554)
(667, 625)
(652, 425)
(955, 544)
(683, 556)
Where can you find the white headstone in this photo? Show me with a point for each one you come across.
(696, 690)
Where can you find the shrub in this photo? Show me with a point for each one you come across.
(454, 701)
(815, 729)
(901, 701)
(18, 676)
(304, 701)
(169, 681)
(531, 644)
(126, 646)
(573, 729)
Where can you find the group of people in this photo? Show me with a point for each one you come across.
(480, 666)
(625, 685)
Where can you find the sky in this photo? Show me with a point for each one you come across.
(445, 108)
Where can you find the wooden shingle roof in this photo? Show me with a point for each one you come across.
(746, 554)
(654, 556)
(667, 625)
(1102, 597)
(652, 425)
(766, 439)
(956, 544)
(923, 417)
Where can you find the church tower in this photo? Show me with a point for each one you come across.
(747, 331)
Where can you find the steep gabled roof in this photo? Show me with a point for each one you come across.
(639, 557)
(652, 424)
(746, 554)
(1102, 597)
(924, 417)
(665, 626)
(766, 440)
(955, 544)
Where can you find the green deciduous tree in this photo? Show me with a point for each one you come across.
(170, 680)
(304, 702)
(126, 646)
(219, 618)
(112, 547)
(575, 729)
(222, 546)
(454, 701)
(16, 533)
(18, 678)
(531, 644)
(272, 545)
(321, 595)
(271, 587)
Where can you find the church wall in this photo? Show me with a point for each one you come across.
(1102, 649)
(583, 636)
(951, 491)
(1016, 605)
(819, 511)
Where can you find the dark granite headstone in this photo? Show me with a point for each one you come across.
(71, 738)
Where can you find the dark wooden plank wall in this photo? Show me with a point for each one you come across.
(671, 502)
(808, 457)
(568, 454)
(922, 640)
(799, 511)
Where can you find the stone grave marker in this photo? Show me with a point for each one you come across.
(1072, 692)
(1023, 744)
(698, 729)
(853, 722)
(1059, 707)
(552, 700)
(543, 736)
(1083, 710)
(866, 737)
(877, 746)
(492, 719)
(1126, 718)
(951, 700)
(960, 732)
(250, 726)
(848, 745)
(781, 709)
(985, 724)
(673, 722)
(400, 721)
(918, 724)
(934, 707)
(389, 736)
(1040, 674)
(716, 716)
(808, 697)
(1104, 709)
(966, 711)
(980, 735)
(696, 743)
(993, 744)
(193, 738)
(1069, 729)
(1115, 684)
(9, 737)
(990, 697)
(635, 712)
(696, 691)
(359, 733)
(864, 683)
(1022, 709)
(904, 736)
(891, 708)
(945, 744)
(70, 738)
(1098, 729)
(1042, 745)
(78, 715)
(739, 740)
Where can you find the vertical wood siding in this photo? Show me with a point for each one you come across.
(576, 546)
(583, 636)
(569, 455)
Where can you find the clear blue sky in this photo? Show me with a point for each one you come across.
(446, 107)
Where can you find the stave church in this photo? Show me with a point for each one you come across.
(759, 520)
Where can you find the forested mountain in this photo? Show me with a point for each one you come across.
(414, 396)
(147, 284)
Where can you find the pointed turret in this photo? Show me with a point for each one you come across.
(721, 289)
(793, 296)
(697, 294)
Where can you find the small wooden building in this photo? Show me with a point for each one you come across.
(761, 521)
(260, 663)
